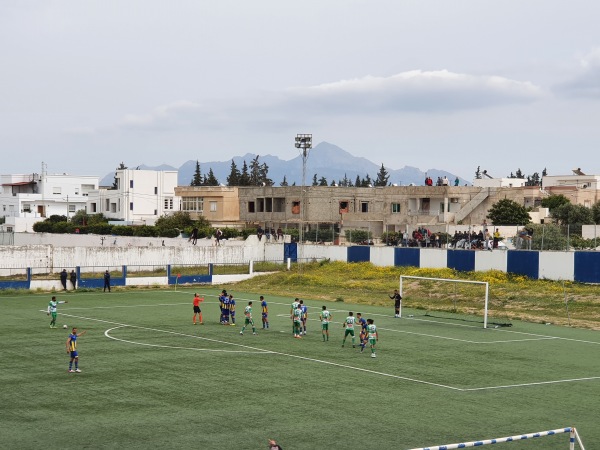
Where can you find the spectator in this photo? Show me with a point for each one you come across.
(259, 232)
(279, 233)
(73, 279)
(63, 279)
(107, 281)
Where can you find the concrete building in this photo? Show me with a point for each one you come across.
(218, 204)
(139, 197)
(27, 199)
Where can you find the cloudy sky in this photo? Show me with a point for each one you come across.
(446, 84)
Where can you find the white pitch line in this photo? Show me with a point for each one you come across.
(393, 330)
(107, 334)
(360, 369)
(537, 383)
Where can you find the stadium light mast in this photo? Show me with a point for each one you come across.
(304, 145)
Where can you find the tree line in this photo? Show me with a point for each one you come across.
(257, 174)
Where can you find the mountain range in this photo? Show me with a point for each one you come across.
(324, 160)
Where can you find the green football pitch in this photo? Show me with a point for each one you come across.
(151, 379)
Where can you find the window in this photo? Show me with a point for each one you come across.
(364, 207)
(296, 207)
(155, 190)
(92, 207)
(395, 208)
(168, 202)
(130, 206)
(26, 207)
(56, 190)
(72, 208)
(131, 184)
(213, 206)
(107, 208)
(156, 212)
(251, 207)
(195, 204)
(343, 207)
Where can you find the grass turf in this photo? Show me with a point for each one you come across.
(152, 379)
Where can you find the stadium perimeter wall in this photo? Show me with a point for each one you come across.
(581, 266)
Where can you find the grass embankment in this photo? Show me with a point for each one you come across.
(512, 296)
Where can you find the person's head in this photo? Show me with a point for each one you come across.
(324, 307)
(74, 330)
(249, 303)
(53, 297)
(370, 321)
(230, 296)
(395, 291)
(106, 271)
(350, 313)
(359, 315)
(302, 302)
(296, 299)
(261, 297)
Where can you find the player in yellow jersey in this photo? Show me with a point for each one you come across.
(72, 349)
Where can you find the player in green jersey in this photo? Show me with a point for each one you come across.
(349, 326)
(325, 317)
(297, 319)
(248, 319)
(52, 310)
(373, 336)
(295, 305)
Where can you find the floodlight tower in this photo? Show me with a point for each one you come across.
(304, 145)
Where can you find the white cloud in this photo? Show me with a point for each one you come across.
(586, 84)
(414, 91)
(175, 112)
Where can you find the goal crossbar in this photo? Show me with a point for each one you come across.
(485, 283)
(574, 437)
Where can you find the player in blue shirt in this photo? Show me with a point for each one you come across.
(72, 349)
(265, 312)
(304, 310)
(363, 331)
(221, 304)
(232, 309)
(226, 310)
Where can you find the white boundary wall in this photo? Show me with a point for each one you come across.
(557, 266)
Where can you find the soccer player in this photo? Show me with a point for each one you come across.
(248, 319)
(363, 331)
(221, 299)
(232, 310)
(304, 309)
(225, 310)
(72, 349)
(373, 336)
(297, 320)
(295, 304)
(197, 310)
(325, 317)
(52, 310)
(349, 326)
(397, 302)
(265, 312)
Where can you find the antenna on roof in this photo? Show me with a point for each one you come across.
(578, 171)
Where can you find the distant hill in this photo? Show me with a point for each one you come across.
(325, 160)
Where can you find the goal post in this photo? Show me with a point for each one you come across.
(573, 438)
(405, 279)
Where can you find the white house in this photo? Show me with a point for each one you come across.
(27, 199)
(140, 196)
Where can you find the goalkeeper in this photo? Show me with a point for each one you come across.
(397, 302)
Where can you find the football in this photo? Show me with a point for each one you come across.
(65, 327)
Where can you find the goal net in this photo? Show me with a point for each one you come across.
(451, 299)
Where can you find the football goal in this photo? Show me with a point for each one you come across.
(451, 299)
(573, 438)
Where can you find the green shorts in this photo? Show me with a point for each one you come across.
(325, 326)
(372, 341)
(349, 331)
